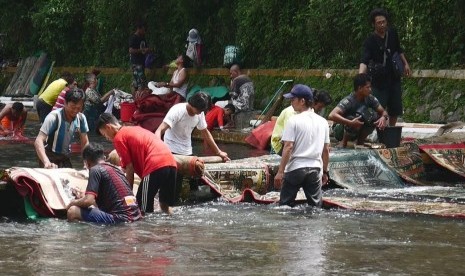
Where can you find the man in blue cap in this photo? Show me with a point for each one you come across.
(304, 162)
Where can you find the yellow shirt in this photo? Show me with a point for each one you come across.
(278, 129)
(52, 91)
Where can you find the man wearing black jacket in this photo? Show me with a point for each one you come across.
(376, 50)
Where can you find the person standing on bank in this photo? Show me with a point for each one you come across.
(138, 48)
(305, 158)
(378, 49)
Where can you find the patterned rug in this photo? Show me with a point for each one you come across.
(236, 181)
(443, 209)
(48, 190)
(362, 170)
(449, 156)
(406, 161)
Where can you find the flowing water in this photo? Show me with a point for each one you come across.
(218, 238)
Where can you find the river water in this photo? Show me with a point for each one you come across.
(219, 238)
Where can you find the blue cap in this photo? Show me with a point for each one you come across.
(300, 91)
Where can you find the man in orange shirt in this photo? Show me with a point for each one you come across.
(12, 117)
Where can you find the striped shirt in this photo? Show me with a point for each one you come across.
(60, 133)
(112, 192)
(60, 103)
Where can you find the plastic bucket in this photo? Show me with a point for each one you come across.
(127, 110)
(390, 136)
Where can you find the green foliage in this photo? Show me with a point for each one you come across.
(57, 27)
(272, 33)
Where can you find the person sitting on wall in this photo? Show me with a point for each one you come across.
(155, 101)
(178, 82)
(93, 105)
(108, 197)
(353, 112)
(242, 90)
(217, 116)
(13, 117)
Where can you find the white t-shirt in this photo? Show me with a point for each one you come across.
(309, 132)
(180, 90)
(178, 136)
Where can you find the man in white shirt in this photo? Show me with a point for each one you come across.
(304, 162)
(180, 121)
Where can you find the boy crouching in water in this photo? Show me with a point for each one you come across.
(108, 198)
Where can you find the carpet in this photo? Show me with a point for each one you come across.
(448, 156)
(48, 190)
(443, 209)
(236, 181)
(260, 137)
(406, 161)
(361, 169)
(17, 139)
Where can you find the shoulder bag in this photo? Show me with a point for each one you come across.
(397, 65)
(378, 70)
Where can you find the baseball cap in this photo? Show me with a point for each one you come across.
(300, 91)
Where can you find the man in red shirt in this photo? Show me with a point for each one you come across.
(216, 116)
(141, 152)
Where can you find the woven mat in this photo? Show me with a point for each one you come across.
(406, 161)
(443, 209)
(49, 190)
(362, 170)
(449, 156)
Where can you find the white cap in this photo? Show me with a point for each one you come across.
(193, 36)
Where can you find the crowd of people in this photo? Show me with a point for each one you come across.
(300, 136)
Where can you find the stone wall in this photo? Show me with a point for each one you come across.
(430, 96)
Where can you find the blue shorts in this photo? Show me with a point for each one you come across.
(96, 215)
